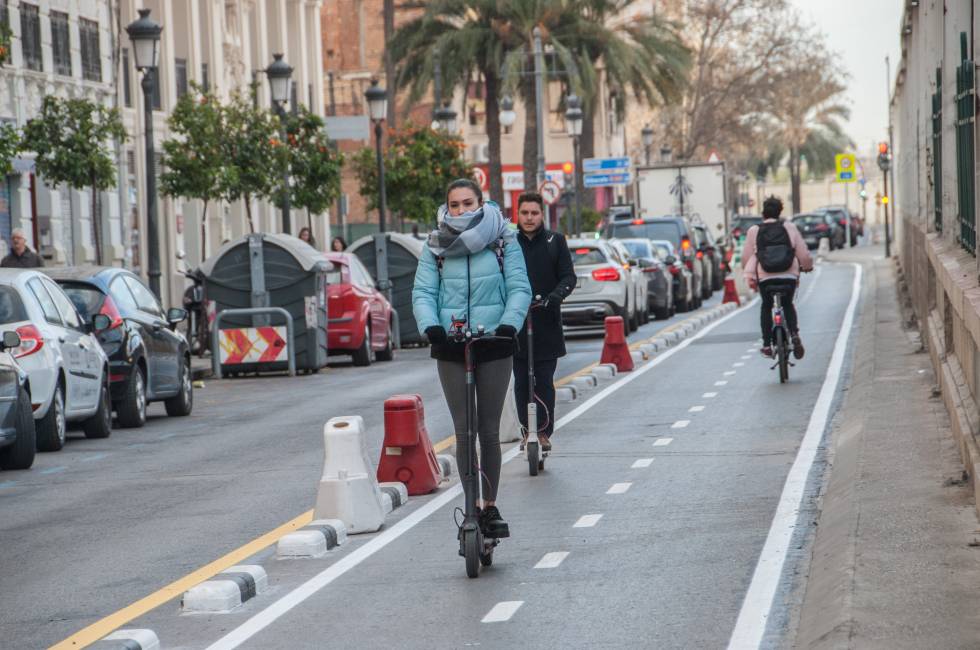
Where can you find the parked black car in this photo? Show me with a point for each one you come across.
(660, 289)
(742, 223)
(148, 360)
(714, 256)
(17, 435)
(819, 225)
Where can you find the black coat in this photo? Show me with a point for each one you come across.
(552, 276)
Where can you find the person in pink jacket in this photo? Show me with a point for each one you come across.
(772, 258)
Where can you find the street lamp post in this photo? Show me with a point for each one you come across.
(446, 118)
(666, 154)
(647, 135)
(538, 99)
(573, 125)
(377, 100)
(279, 73)
(144, 33)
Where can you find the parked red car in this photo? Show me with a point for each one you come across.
(359, 316)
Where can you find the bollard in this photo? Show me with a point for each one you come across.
(348, 490)
(614, 349)
(407, 455)
(731, 293)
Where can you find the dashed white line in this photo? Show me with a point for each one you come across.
(709, 395)
(696, 409)
(728, 373)
(746, 356)
(587, 521)
(618, 488)
(737, 364)
(721, 383)
(502, 612)
(640, 463)
(680, 424)
(663, 442)
(551, 560)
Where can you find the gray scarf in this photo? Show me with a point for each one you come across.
(469, 233)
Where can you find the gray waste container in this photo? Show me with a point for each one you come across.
(403, 259)
(269, 270)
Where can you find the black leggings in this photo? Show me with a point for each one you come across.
(544, 388)
(768, 289)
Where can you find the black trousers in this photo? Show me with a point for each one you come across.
(544, 388)
(768, 289)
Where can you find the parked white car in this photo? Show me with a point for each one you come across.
(66, 367)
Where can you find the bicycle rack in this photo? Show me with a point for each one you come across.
(252, 311)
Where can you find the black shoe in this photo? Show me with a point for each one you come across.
(492, 525)
(798, 350)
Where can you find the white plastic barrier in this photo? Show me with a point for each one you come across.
(348, 488)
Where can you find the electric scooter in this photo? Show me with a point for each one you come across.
(532, 448)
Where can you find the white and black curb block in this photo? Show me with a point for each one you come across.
(565, 394)
(648, 349)
(312, 540)
(393, 495)
(584, 383)
(128, 640)
(638, 357)
(661, 343)
(447, 465)
(225, 591)
(604, 371)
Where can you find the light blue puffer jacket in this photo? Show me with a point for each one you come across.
(472, 287)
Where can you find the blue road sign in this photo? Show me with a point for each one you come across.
(847, 176)
(607, 180)
(605, 164)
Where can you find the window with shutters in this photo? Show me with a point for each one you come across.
(30, 36)
(180, 73)
(965, 158)
(60, 43)
(88, 32)
(937, 151)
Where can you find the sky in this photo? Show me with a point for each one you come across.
(862, 32)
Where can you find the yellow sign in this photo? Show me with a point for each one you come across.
(846, 168)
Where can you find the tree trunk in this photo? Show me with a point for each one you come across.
(248, 213)
(794, 175)
(204, 233)
(587, 146)
(493, 134)
(530, 134)
(96, 237)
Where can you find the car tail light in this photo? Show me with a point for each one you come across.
(583, 251)
(30, 340)
(109, 309)
(822, 227)
(685, 244)
(637, 222)
(699, 255)
(674, 269)
(689, 263)
(607, 274)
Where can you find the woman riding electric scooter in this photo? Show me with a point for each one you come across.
(472, 278)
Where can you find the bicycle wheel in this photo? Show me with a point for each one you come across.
(782, 350)
(471, 551)
(532, 456)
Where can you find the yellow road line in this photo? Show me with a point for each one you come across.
(110, 623)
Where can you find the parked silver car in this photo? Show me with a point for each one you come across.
(660, 290)
(602, 289)
(683, 278)
(639, 307)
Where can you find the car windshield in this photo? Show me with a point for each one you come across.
(637, 248)
(86, 298)
(808, 219)
(11, 306)
(747, 222)
(585, 255)
(664, 250)
(668, 230)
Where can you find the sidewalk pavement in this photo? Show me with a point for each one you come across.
(896, 559)
(200, 368)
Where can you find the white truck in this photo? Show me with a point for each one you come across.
(694, 190)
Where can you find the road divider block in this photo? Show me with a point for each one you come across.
(447, 465)
(565, 394)
(604, 371)
(348, 490)
(225, 591)
(615, 349)
(313, 540)
(661, 342)
(583, 383)
(393, 495)
(637, 357)
(407, 456)
(128, 640)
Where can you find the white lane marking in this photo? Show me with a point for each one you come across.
(752, 618)
(680, 424)
(551, 560)
(751, 350)
(746, 356)
(587, 521)
(728, 373)
(502, 612)
(696, 409)
(262, 619)
(721, 383)
(737, 364)
(663, 442)
(709, 395)
(640, 463)
(618, 488)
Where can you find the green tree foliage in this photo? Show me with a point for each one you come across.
(419, 163)
(314, 165)
(72, 139)
(9, 146)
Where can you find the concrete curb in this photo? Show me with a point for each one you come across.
(638, 357)
(313, 540)
(393, 495)
(565, 394)
(226, 591)
(447, 465)
(128, 640)
(585, 382)
(604, 371)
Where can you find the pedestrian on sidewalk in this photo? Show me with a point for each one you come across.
(772, 258)
(471, 267)
(20, 256)
(552, 277)
(307, 235)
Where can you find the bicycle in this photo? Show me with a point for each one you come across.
(474, 547)
(781, 339)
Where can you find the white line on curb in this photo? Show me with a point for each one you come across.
(551, 560)
(270, 614)
(752, 618)
(618, 488)
(587, 521)
(502, 612)
(640, 463)
(663, 442)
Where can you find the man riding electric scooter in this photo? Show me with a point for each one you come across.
(552, 276)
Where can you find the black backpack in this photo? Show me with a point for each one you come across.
(773, 248)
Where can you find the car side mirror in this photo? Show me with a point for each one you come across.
(176, 315)
(671, 260)
(11, 340)
(101, 322)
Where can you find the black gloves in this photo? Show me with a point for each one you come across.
(436, 335)
(505, 331)
(553, 300)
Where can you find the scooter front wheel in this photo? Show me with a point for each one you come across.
(532, 457)
(471, 551)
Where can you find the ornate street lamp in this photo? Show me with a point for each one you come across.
(377, 100)
(574, 118)
(144, 33)
(279, 74)
(446, 118)
(507, 114)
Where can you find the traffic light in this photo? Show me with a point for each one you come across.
(883, 148)
(863, 194)
(567, 169)
(884, 157)
(884, 200)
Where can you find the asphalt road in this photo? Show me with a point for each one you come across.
(102, 523)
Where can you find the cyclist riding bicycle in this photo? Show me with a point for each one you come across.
(773, 256)
(472, 268)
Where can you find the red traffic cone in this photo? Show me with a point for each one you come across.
(731, 293)
(407, 456)
(614, 349)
